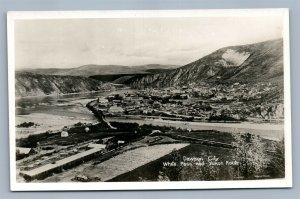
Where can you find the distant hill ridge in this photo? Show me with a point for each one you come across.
(93, 69)
(30, 84)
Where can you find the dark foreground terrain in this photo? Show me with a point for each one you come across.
(202, 155)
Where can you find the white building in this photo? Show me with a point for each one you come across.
(64, 134)
(116, 110)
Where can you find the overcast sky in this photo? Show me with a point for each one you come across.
(64, 43)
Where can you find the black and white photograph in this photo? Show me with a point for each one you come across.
(161, 99)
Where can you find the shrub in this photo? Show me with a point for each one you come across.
(276, 166)
(251, 154)
(26, 124)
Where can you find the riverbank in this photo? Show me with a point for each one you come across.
(47, 122)
(266, 130)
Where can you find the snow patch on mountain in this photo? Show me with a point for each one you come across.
(234, 57)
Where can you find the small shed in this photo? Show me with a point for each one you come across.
(64, 134)
(115, 109)
(120, 142)
(24, 151)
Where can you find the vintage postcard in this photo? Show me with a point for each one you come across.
(165, 99)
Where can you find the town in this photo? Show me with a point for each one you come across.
(204, 102)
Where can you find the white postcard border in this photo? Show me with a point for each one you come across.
(28, 15)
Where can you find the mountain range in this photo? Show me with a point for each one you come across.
(246, 63)
(250, 63)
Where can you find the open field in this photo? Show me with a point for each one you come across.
(144, 144)
(117, 165)
(189, 168)
(151, 171)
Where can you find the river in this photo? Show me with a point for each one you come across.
(56, 111)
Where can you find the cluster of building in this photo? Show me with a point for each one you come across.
(198, 102)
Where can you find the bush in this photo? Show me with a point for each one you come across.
(251, 154)
(276, 166)
(32, 140)
(221, 118)
(26, 125)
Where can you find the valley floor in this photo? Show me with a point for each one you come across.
(55, 122)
